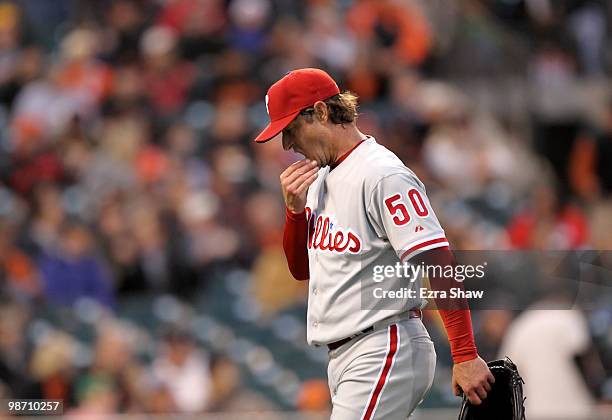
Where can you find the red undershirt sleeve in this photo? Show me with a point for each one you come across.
(455, 313)
(295, 239)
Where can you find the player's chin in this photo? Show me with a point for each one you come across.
(310, 158)
(321, 162)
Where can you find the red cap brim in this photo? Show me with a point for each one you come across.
(275, 127)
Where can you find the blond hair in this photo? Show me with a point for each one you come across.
(342, 108)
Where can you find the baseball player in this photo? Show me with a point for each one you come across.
(352, 205)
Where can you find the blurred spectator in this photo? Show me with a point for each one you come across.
(115, 368)
(466, 152)
(328, 39)
(32, 161)
(24, 70)
(115, 348)
(589, 172)
(80, 74)
(185, 371)
(160, 400)
(190, 17)
(601, 226)
(52, 366)
(125, 20)
(553, 383)
(74, 85)
(42, 19)
(10, 37)
(587, 24)
(248, 29)
(274, 289)
(14, 354)
(399, 28)
(73, 271)
(548, 223)
(202, 25)
(555, 103)
(48, 218)
(18, 274)
(167, 79)
(97, 398)
(479, 47)
(228, 393)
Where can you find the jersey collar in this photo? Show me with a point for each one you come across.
(345, 155)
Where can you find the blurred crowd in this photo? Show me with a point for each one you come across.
(127, 164)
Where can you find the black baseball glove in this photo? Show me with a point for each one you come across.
(504, 401)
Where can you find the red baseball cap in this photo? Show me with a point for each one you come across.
(298, 90)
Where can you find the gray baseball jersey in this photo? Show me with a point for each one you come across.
(371, 210)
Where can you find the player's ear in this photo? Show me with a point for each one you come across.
(321, 111)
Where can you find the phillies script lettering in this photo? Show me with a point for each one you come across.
(323, 235)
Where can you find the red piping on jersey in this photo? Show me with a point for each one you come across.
(384, 374)
(344, 156)
(422, 245)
